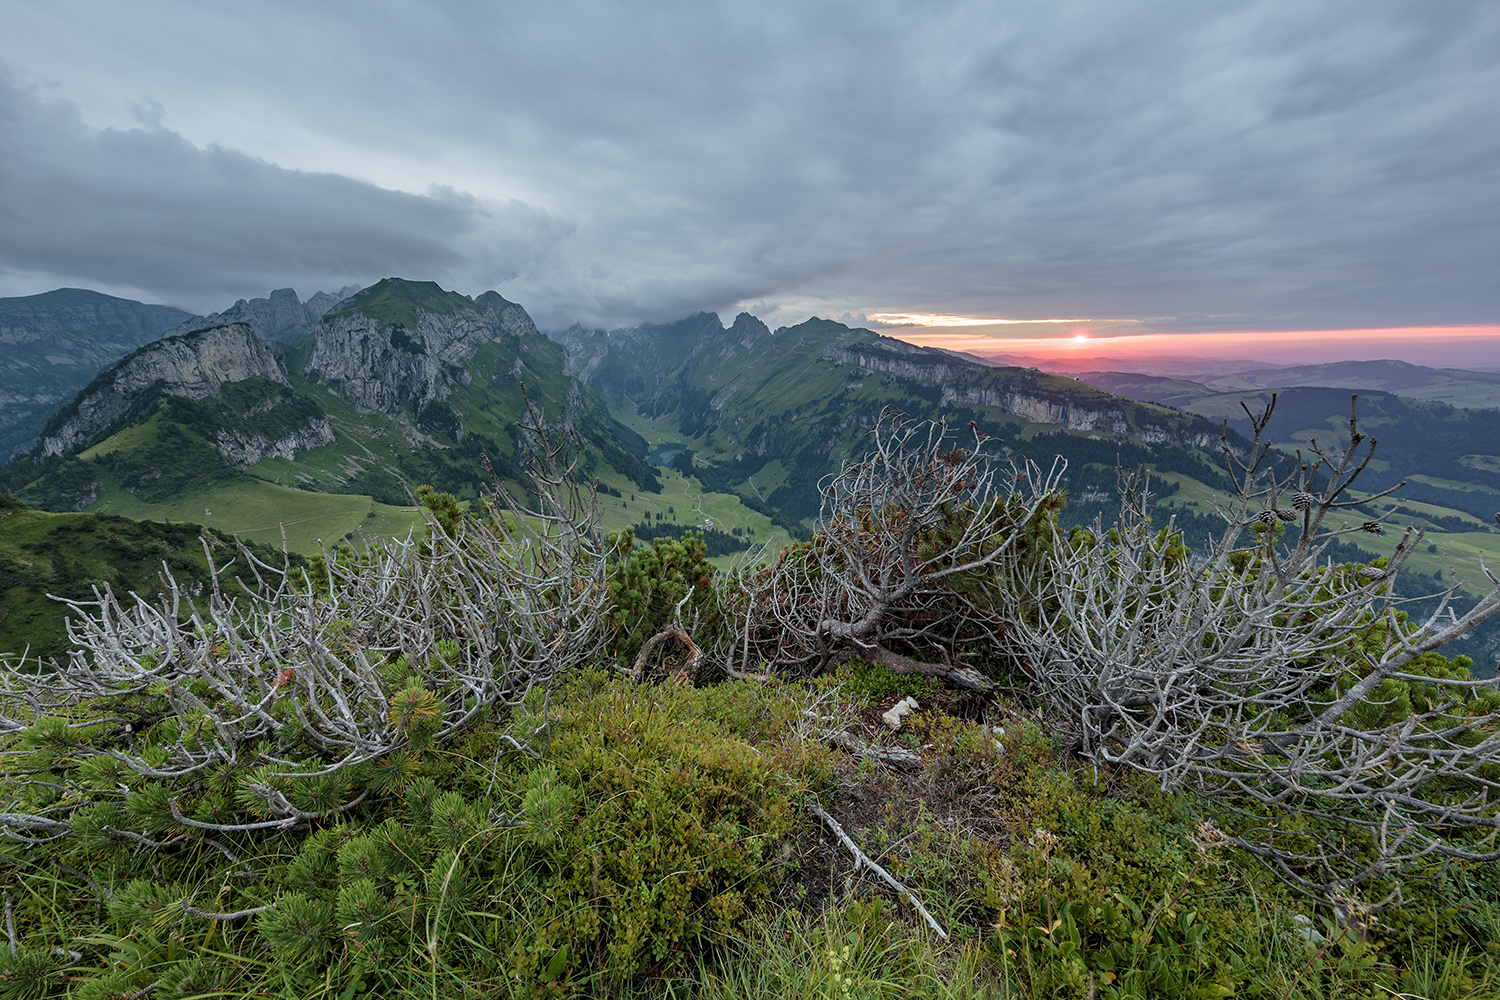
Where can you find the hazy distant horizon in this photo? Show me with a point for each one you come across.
(1476, 348)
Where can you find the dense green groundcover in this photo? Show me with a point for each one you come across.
(656, 839)
(68, 555)
(660, 847)
(648, 829)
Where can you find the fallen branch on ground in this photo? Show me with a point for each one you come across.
(863, 859)
(898, 756)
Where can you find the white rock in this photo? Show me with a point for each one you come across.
(1304, 929)
(896, 712)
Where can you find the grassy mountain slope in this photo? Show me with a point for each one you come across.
(767, 415)
(169, 457)
(67, 555)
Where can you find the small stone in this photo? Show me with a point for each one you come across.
(1304, 929)
(896, 712)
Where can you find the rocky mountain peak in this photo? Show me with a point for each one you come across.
(403, 343)
(194, 365)
(747, 329)
(280, 319)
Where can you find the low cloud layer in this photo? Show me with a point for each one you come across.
(1258, 165)
(144, 209)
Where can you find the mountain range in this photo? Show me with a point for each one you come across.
(767, 414)
(400, 383)
(311, 421)
(55, 342)
(280, 318)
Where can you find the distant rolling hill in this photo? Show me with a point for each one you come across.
(1180, 383)
(1449, 455)
(1453, 386)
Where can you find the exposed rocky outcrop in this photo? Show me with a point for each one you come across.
(280, 319)
(243, 450)
(378, 360)
(195, 366)
(1024, 393)
(388, 366)
(512, 321)
(747, 330)
(895, 358)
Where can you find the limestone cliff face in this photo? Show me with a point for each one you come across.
(1039, 409)
(510, 319)
(1027, 394)
(895, 358)
(195, 366)
(387, 364)
(384, 366)
(242, 450)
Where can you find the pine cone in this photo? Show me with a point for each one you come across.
(1286, 514)
(1303, 501)
(1266, 517)
(1373, 527)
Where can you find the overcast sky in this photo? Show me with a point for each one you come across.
(1179, 165)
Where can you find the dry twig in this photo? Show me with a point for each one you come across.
(863, 859)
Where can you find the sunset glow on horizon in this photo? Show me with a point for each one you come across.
(933, 320)
(1435, 346)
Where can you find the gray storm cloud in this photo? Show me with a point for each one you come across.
(144, 208)
(1268, 163)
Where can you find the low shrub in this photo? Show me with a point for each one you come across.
(648, 833)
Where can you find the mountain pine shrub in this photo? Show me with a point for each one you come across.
(647, 833)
